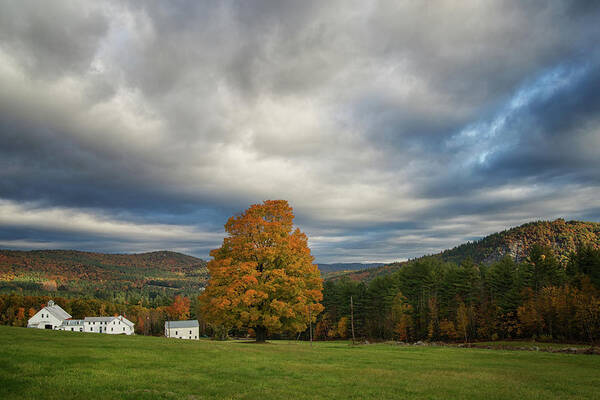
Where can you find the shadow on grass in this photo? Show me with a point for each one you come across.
(252, 342)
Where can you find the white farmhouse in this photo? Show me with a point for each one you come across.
(54, 317)
(50, 317)
(182, 329)
(111, 325)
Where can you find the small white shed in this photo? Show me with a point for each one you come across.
(182, 329)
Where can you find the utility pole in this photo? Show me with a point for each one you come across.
(310, 326)
(352, 318)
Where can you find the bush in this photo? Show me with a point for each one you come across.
(220, 333)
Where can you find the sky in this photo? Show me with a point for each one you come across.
(393, 128)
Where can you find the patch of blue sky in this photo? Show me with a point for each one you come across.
(484, 137)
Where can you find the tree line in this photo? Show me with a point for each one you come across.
(427, 299)
(430, 299)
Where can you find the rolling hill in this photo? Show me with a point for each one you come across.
(562, 236)
(98, 274)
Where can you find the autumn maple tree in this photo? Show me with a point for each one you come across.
(180, 308)
(263, 277)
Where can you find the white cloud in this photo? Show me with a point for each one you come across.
(88, 222)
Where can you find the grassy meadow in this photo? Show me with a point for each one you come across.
(516, 344)
(65, 365)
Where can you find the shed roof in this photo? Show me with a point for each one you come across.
(98, 319)
(72, 322)
(182, 324)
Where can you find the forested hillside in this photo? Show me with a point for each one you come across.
(540, 280)
(562, 237)
(431, 299)
(116, 277)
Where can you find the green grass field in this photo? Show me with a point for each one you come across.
(528, 344)
(63, 365)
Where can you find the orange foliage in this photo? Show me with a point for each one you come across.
(50, 285)
(263, 276)
(447, 329)
(342, 327)
(402, 328)
(179, 309)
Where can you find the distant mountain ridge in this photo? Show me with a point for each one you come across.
(159, 258)
(562, 236)
(80, 272)
(337, 269)
(347, 266)
(73, 271)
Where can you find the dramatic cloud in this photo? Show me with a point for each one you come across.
(394, 129)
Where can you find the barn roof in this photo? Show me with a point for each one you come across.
(125, 320)
(182, 324)
(57, 311)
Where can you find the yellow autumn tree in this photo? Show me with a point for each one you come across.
(342, 327)
(462, 321)
(401, 314)
(263, 277)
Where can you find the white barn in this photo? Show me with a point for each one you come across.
(50, 317)
(182, 329)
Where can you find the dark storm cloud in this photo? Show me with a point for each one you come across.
(557, 136)
(54, 40)
(551, 139)
(393, 128)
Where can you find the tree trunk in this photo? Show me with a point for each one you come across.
(261, 334)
